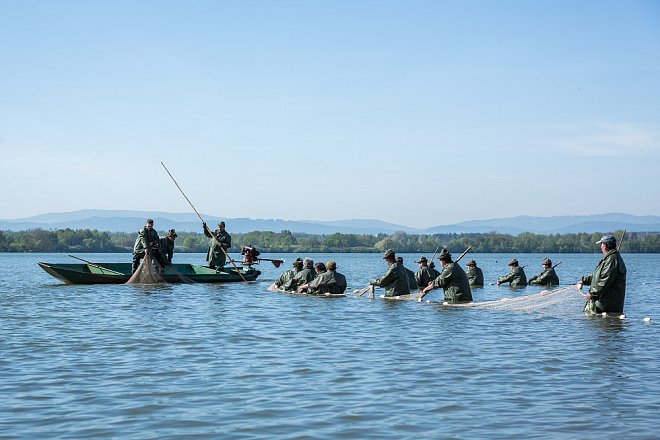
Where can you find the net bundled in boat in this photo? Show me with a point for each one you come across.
(556, 302)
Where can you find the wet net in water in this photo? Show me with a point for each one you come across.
(149, 272)
(557, 301)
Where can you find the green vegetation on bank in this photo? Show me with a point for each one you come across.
(85, 240)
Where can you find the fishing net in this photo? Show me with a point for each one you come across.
(558, 301)
(149, 272)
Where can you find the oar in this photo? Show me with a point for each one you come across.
(423, 294)
(97, 266)
(204, 223)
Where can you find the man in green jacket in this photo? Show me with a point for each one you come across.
(548, 277)
(220, 242)
(452, 279)
(329, 281)
(412, 284)
(516, 277)
(147, 241)
(607, 284)
(289, 274)
(425, 274)
(475, 274)
(167, 247)
(395, 281)
(307, 274)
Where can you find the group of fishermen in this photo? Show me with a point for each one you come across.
(607, 284)
(315, 279)
(162, 249)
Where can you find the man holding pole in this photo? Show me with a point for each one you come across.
(220, 242)
(452, 279)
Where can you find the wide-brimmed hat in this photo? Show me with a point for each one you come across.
(547, 262)
(331, 265)
(221, 224)
(513, 262)
(422, 260)
(388, 254)
(172, 233)
(471, 263)
(444, 255)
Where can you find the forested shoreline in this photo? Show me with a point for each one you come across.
(86, 240)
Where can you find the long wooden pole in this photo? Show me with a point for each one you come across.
(204, 223)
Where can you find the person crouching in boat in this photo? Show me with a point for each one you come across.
(607, 284)
(329, 281)
(547, 278)
(395, 280)
(167, 247)
(147, 241)
(452, 279)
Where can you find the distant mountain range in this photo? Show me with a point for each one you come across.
(132, 221)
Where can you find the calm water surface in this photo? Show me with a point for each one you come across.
(237, 361)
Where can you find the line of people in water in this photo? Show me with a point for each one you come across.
(607, 284)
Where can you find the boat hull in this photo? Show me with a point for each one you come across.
(120, 273)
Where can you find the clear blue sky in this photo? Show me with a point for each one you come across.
(413, 112)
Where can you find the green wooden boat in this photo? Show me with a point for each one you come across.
(119, 273)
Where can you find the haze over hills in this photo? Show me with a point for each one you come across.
(132, 221)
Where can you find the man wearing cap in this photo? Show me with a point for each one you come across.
(167, 247)
(475, 274)
(289, 274)
(329, 281)
(607, 284)
(220, 242)
(516, 277)
(147, 241)
(547, 278)
(412, 284)
(425, 274)
(307, 274)
(395, 280)
(452, 279)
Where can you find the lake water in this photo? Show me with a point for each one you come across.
(237, 361)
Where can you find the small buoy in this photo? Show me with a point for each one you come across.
(445, 303)
(647, 319)
(622, 316)
(603, 314)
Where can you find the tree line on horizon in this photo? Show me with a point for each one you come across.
(86, 240)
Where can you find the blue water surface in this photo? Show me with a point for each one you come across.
(237, 361)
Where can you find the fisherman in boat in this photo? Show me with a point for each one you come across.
(329, 281)
(607, 284)
(475, 274)
(452, 279)
(147, 241)
(289, 274)
(516, 276)
(546, 278)
(167, 247)
(220, 242)
(395, 280)
(306, 275)
(412, 283)
(425, 274)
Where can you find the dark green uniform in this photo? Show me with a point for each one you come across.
(424, 276)
(329, 281)
(454, 282)
(516, 277)
(547, 278)
(286, 277)
(303, 277)
(475, 276)
(607, 284)
(147, 239)
(412, 283)
(215, 256)
(166, 251)
(395, 281)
